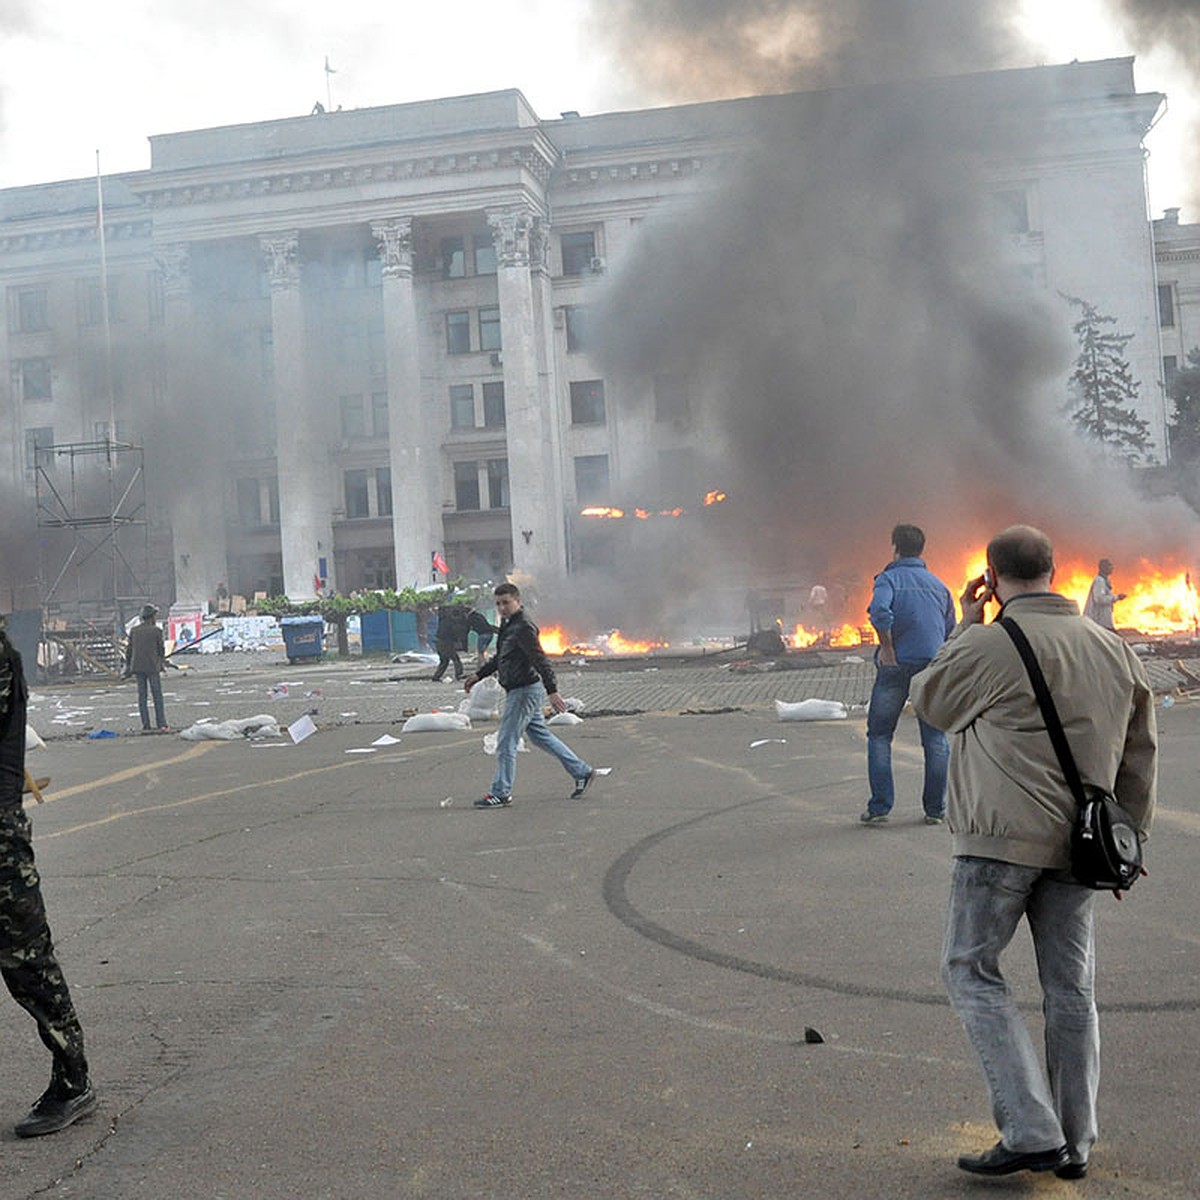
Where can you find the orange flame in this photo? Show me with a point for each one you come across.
(597, 510)
(714, 497)
(556, 640)
(1160, 600)
(840, 637)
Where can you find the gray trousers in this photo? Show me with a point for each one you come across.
(1033, 1109)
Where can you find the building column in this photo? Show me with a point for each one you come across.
(530, 407)
(301, 452)
(191, 484)
(413, 446)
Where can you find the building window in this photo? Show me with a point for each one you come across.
(587, 402)
(35, 378)
(272, 501)
(454, 258)
(591, 479)
(379, 413)
(466, 486)
(250, 502)
(358, 497)
(485, 254)
(352, 417)
(576, 335)
(266, 349)
(458, 333)
(670, 398)
(383, 491)
(1166, 305)
(100, 432)
(1170, 368)
(37, 448)
(1010, 211)
(373, 269)
(344, 266)
(489, 329)
(497, 481)
(578, 250)
(462, 406)
(32, 310)
(493, 405)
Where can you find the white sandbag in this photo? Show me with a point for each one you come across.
(438, 722)
(811, 710)
(255, 728)
(483, 701)
(32, 740)
(490, 739)
(565, 718)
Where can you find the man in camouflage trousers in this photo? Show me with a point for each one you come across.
(27, 961)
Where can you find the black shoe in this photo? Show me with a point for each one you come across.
(1072, 1170)
(1000, 1160)
(490, 801)
(582, 785)
(55, 1111)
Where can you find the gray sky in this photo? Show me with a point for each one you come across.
(81, 78)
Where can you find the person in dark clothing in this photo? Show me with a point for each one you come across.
(483, 630)
(145, 656)
(27, 962)
(525, 674)
(450, 638)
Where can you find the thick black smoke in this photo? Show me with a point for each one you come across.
(1172, 25)
(860, 350)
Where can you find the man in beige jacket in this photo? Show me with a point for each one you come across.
(1010, 812)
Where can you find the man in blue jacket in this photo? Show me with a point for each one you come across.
(913, 613)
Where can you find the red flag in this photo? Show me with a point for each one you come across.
(440, 564)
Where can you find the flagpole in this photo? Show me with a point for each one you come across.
(328, 86)
(110, 436)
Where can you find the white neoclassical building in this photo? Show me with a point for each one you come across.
(341, 343)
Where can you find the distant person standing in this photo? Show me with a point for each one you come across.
(145, 657)
(913, 613)
(27, 962)
(451, 635)
(1101, 597)
(527, 677)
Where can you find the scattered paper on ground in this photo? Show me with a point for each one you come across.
(304, 727)
(811, 710)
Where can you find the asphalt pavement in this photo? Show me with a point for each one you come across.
(313, 970)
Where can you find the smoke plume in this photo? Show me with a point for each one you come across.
(859, 350)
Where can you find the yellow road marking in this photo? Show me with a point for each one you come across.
(241, 787)
(130, 773)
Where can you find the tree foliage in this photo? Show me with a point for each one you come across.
(1184, 428)
(1104, 392)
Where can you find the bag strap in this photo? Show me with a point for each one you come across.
(1054, 728)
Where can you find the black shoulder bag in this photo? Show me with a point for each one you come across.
(1106, 852)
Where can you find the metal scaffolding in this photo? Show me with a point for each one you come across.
(95, 569)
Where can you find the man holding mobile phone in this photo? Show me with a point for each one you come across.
(912, 612)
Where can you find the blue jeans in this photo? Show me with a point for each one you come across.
(155, 685)
(1032, 1110)
(883, 715)
(523, 714)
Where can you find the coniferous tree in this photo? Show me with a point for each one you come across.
(1184, 428)
(1103, 390)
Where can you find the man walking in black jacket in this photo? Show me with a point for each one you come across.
(527, 677)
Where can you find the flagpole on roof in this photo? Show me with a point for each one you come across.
(328, 87)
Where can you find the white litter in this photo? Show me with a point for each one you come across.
(565, 718)
(489, 744)
(32, 740)
(362, 750)
(438, 722)
(811, 710)
(764, 741)
(386, 740)
(304, 727)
